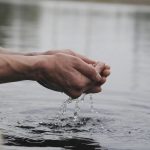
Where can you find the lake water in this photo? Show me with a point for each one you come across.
(117, 34)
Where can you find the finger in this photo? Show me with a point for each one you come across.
(85, 59)
(106, 73)
(81, 82)
(96, 89)
(103, 80)
(88, 70)
(91, 86)
(88, 84)
(107, 66)
(100, 67)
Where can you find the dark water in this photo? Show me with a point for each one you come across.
(117, 34)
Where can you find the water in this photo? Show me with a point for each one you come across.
(116, 119)
(63, 108)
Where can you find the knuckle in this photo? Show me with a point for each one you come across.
(69, 51)
(76, 59)
(58, 55)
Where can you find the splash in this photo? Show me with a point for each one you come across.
(77, 109)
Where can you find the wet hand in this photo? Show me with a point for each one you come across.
(104, 72)
(68, 74)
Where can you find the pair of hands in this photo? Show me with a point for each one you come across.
(71, 73)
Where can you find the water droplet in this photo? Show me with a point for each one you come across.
(63, 109)
(92, 105)
(83, 97)
(76, 110)
(91, 102)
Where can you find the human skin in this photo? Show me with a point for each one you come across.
(105, 72)
(58, 71)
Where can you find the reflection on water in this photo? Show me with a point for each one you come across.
(117, 34)
(67, 125)
(74, 144)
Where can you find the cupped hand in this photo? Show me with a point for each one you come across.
(68, 74)
(104, 72)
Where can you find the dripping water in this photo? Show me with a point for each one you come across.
(77, 109)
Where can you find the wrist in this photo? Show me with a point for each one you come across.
(16, 68)
(41, 64)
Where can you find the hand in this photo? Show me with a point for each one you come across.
(70, 52)
(68, 74)
(105, 72)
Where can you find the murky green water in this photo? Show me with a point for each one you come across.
(116, 34)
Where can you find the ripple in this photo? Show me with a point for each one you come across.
(56, 133)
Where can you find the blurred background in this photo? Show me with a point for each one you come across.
(114, 31)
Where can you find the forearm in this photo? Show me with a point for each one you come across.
(17, 68)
